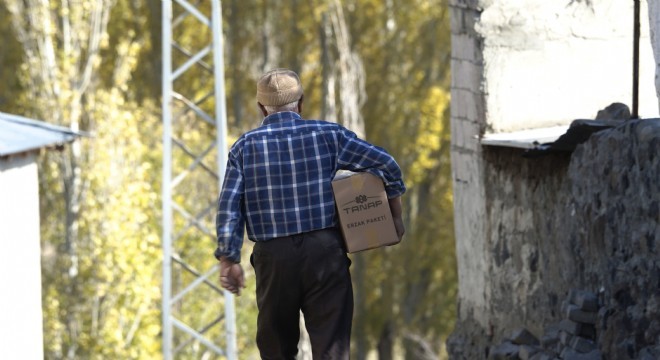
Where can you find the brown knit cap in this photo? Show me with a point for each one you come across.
(279, 87)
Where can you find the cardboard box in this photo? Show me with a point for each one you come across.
(364, 211)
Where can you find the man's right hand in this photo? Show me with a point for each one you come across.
(396, 208)
(231, 276)
(400, 228)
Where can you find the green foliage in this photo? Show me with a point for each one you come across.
(407, 112)
(113, 295)
(99, 197)
(10, 53)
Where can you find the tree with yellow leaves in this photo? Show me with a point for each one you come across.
(94, 65)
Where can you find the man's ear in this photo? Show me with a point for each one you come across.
(263, 109)
(300, 104)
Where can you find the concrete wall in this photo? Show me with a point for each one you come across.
(549, 62)
(467, 122)
(528, 230)
(654, 29)
(21, 328)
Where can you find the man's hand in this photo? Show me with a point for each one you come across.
(400, 228)
(396, 209)
(231, 276)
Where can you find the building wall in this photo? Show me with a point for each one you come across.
(589, 220)
(654, 30)
(550, 62)
(467, 122)
(20, 259)
(529, 230)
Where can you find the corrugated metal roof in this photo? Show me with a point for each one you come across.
(539, 142)
(19, 134)
(525, 139)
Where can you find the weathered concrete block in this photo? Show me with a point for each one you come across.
(582, 345)
(465, 133)
(465, 47)
(524, 337)
(570, 326)
(580, 329)
(588, 331)
(537, 356)
(574, 313)
(564, 306)
(650, 353)
(527, 351)
(647, 131)
(504, 351)
(464, 106)
(565, 338)
(548, 340)
(465, 5)
(614, 111)
(585, 300)
(466, 74)
(550, 336)
(544, 355)
(570, 354)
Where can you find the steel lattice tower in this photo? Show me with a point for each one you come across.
(194, 158)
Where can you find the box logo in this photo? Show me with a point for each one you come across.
(361, 203)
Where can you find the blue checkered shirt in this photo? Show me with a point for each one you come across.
(278, 179)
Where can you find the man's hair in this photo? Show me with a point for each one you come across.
(292, 106)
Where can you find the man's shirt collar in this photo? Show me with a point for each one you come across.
(281, 117)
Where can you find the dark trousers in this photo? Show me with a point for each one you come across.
(307, 272)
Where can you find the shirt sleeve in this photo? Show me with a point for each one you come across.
(230, 220)
(358, 155)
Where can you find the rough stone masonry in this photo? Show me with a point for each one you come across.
(590, 221)
(530, 230)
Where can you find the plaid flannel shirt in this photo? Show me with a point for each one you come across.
(278, 179)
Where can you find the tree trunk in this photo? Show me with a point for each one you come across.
(351, 94)
(359, 318)
(351, 73)
(61, 86)
(328, 106)
(234, 63)
(386, 342)
(268, 49)
(388, 332)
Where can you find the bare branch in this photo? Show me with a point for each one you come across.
(98, 28)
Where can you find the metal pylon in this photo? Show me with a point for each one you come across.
(193, 104)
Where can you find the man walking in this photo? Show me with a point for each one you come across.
(278, 186)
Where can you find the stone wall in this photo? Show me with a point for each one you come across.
(529, 230)
(590, 221)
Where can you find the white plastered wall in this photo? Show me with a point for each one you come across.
(654, 29)
(549, 62)
(21, 328)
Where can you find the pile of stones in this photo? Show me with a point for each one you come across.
(573, 338)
